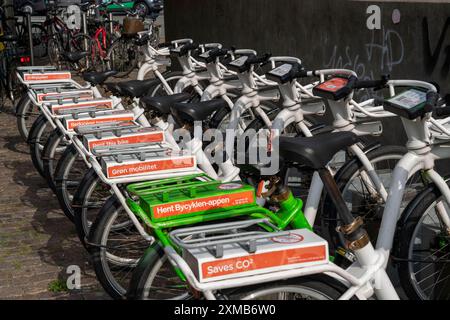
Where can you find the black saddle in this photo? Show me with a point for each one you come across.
(96, 78)
(197, 111)
(114, 88)
(74, 57)
(315, 152)
(162, 104)
(137, 88)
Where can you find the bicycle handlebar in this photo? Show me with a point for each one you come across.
(412, 83)
(431, 103)
(214, 45)
(178, 42)
(375, 84)
(258, 59)
(284, 59)
(246, 52)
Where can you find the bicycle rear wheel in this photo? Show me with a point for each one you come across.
(315, 287)
(39, 134)
(115, 248)
(87, 202)
(40, 40)
(123, 56)
(26, 113)
(83, 43)
(67, 177)
(55, 49)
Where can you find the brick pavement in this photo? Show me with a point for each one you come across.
(37, 242)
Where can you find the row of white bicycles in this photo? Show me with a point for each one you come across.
(221, 181)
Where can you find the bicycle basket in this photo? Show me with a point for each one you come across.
(132, 25)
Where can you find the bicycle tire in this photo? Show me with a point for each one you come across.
(314, 287)
(406, 240)
(84, 205)
(24, 109)
(328, 214)
(65, 188)
(127, 50)
(36, 141)
(55, 145)
(146, 270)
(108, 265)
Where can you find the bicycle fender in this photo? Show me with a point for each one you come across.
(371, 147)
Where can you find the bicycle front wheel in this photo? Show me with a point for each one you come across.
(424, 247)
(361, 197)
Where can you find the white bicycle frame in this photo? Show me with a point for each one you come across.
(367, 275)
(426, 144)
(345, 120)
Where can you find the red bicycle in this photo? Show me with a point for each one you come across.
(62, 40)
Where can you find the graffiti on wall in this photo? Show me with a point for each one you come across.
(382, 52)
(432, 55)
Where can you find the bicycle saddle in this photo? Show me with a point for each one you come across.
(74, 57)
(114, 88)
(197, 111)
(315, 152)
(8, 38)
(96, 78)
(137, 88)
(162, 104)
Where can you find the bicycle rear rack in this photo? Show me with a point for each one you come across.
(42, 74)
(73, 118)
(124, 160)
(52, 87)
(142, 151)
(75, 112)
(62, 108)
(231, 254)
(215, 237)
(117, 128)
(36, 68)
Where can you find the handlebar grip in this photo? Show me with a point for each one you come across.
(218, 52)
(376, 84)
(298, 71)
(442, 112)
(352, 82)
(366, 84)
(187, 47)
(431, 102)
(258, 59)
